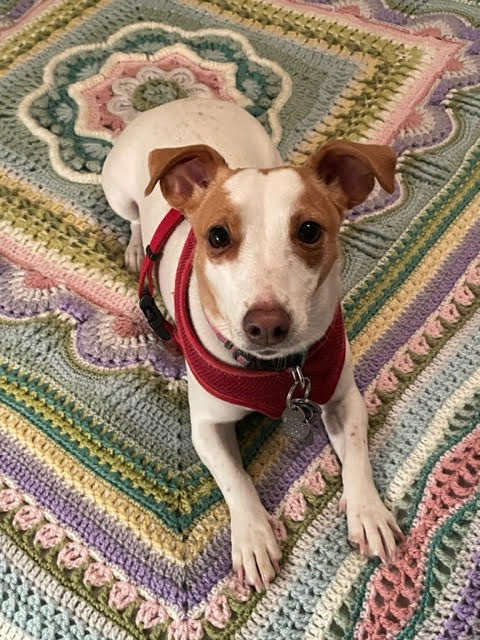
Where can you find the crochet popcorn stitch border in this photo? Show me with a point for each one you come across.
(71, 564)
(425, 344)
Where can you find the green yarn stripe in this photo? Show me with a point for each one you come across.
(456, 434)
(95, 406)
(382, 283)
(28, 608)
(90, 246)
(98, 451)
(422, 362)
(44, 27)
(27, 392)
(395, 61)
(71, 579)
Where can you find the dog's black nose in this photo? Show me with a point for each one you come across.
(266, 325)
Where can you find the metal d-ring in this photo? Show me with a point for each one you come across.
(299, 380)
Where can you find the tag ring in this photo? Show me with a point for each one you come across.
(299, 380)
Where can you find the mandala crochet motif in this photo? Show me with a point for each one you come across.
(110, 527)
(101, 88)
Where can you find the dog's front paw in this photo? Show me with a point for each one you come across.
(371, 526)
(255, 551)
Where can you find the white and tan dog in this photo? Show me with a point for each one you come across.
(266, 275)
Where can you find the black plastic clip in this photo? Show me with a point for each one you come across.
(155, 317)
(151, 254)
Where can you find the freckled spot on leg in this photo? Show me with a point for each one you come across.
(353, 433)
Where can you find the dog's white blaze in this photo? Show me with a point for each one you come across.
(266, 268)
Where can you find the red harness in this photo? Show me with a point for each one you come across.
(263, 391)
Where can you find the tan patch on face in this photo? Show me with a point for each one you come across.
(216, 209)
(315, 204)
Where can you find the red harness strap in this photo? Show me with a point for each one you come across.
(264, 391)
(153, 252)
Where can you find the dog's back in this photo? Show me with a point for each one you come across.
(224, 126)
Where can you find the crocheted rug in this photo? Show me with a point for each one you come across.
(109, 525)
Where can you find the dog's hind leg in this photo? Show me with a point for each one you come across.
(126, 208)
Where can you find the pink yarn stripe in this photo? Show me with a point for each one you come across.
(415, 94)
(88, 288)
(395, 589)
(25, 20)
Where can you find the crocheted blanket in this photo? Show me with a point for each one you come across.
(110, 528)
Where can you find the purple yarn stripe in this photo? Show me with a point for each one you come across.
(120, 546)
(116, 542)
(288, 467)
(89, 319)
(425, 303)
(377, 9)
(467, 609)
(20, 9)
(434, 106)
(203, 575)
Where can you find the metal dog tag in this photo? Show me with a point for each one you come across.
(313, 416)
(312, 411)
(302, 417)
(294, 422)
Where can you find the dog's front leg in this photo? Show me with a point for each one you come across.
(370, 525)
(255, 551)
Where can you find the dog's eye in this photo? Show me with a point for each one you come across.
(218, 237)
(309, 232)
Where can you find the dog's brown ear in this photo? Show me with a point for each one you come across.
(349, 169)
(184, 173)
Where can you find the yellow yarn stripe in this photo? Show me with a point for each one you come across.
(387, 278)
(94, 250)
(108, 456)
(126, 469)
(106, 497)
(353, 564)
(115, 503)
(317, 136)
(68, 215)
(427, 268)
(44, 30)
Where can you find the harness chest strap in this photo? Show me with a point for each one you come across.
(263, 391)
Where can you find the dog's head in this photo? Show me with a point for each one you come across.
(266, 259)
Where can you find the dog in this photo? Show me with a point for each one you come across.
(264, 278)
